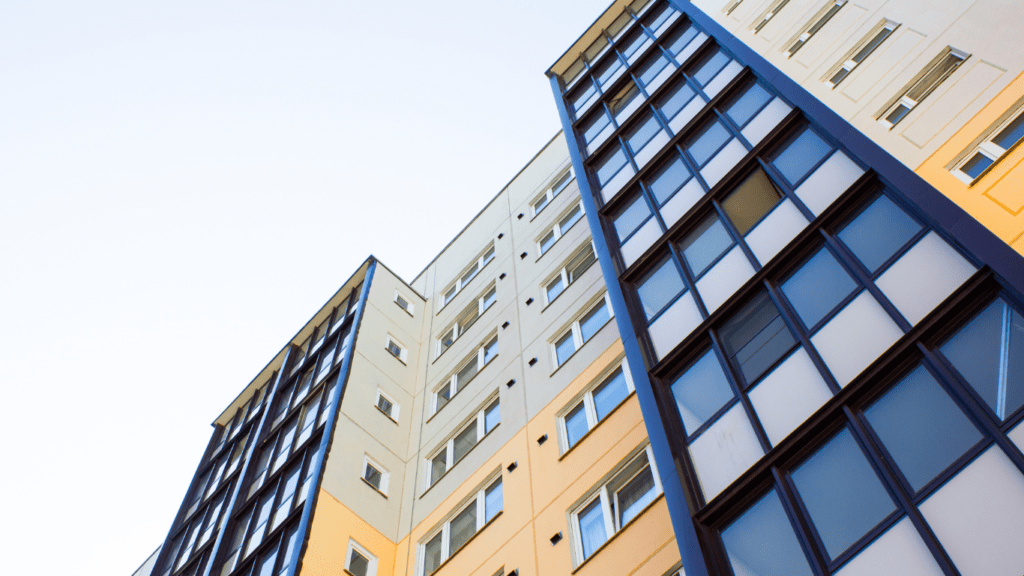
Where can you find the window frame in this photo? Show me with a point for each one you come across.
(459, 330)
(589, 408)
(479, 419)
(403, 353)
(409, 308)
(910, 104)
(575, 328)
(385, 475)
(477, 499)
(850, 63)
(486, 257)
(553, 190)
(989, 149)
(394, 405)
(556, 228)
(817, 22)
(451, 382)
(371, 560)
(563, 272)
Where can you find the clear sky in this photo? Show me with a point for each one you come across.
(183, 184)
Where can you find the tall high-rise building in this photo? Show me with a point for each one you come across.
(755, 311)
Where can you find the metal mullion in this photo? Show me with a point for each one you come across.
(800, 522)
(788, 314)
(729, 372)
(739, 239)
(866, 281)
(688, 279)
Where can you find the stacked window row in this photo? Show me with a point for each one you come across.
(452, 450)
(467, 370)
(448, 538)
(924, 478)
(805, 334)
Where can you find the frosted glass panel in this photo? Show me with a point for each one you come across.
(640, 51)
(924, 276)
(674, 324)
(723, 78)
(641, 241)
(724, 451)
(978, 516)
(765, 121)
(898, 552)
(600, 138)
(828, 182)
(724, 279)
(761, 542)
(686, 114)
(653, 147)
(623, 114)
(789, 395)
(682, 201)
(855, 337)
(725, 160)
(1017, 435)
(660, 79)
(691, 47)
(609, 190)
(701, 391)
(773, 233)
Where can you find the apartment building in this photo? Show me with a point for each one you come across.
(825, 346)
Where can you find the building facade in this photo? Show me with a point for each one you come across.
(825, 346)
(757, 312)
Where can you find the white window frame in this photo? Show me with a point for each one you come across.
(448, 446)
(609, 500)
(485, 258)
(456, 329)
(850, 64)
(986, 148)
(371, 570)
(767, 15)
(557, 185)
(589, 408)
(577, 333)
(403, 355)
(394, 405)
(451, 382)
(385, 475)
(910, 103)
(479, 500)
(822, 18)
(556, 229)
(563, 272)
(410, 308)
(732, 5)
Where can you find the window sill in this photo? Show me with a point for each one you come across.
(411, 315)
(392, 354)
(602, 421)
(375, 489)
(456, 463)
(616, 535)
(471, 538)
(385, 413)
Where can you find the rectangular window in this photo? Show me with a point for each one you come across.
(614, 504)
(455, 532)
(990, 150)
(756, 337)
(471, 366)
(375, 475)
(467, 318)
(573, 269)
(861, 51)
(768, 14)
(923, 84)
(468, 275)
(561, 182)
(359, 561)
(404, 303)
(386, 405)
(559, 229)
(597, 402)
(456, 447)
(396, 348)
(817, 23)
(581, 330)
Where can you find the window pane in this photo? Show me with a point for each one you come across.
(921, 427)
(594, 320)
(443, 396)
(976, 165)
(492, 417)
(709, 67)
(564, 348)
(680, 38)
(800, 155)
(372, 476)
(490, 350)
(432, 554)
(610, 165)
(547, 241)
(642, 132)
(490, 297)
(743, 108)
(592, 530)
(633, 43)
(878, 232)
(492, 501)
(703, 146)
(607, 69)
(669, 178)
(580, 263)
(756, 337)
(358, 565)
(701, 391)
(465, 441)
(623, 98)
(438, 466)
(576, 424)
(267, 564)
(818, 287)
(467, 373)
(636, 494)
(843, 495)
(610, 394)
(989, 353)
(593, 126)
(463, 527)
(651, 69)
(933, 77)
(570, 219)
(631, 217)
(659, 288)
(384, 404)
(673, 102)
(761, 542)
(1011, 134)
(705, 244)
(583, 94)
(555, 288)
(751, 200)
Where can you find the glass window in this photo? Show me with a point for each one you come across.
(606, 70)
(358, 564)
(491, 350)
(610, 394)
(634, 40)
(576, 424)
(623, 98)
(580, 262)
(438, 466)
(702, 247)
(1010, 135)
(817, 287)
(878, 232)
(493, 501)
(798, 156)
(564, 348)
(708, 141)
(594, 125)
(747, 104)
(659, 288)
(842, 493)
(464, 441)
(582, 95)
(463, 526)
(632, 498)
(701, 391)
(593, 321)
(709, 66)
(596, 404)
(610, 164)
(761, 542)
(631, 217)
(989, 354)
(547, 242)
(756, 337)
(569, 219)
(432, 554)
(669, 177)
(976, 165)
(921, 427)
(751, 200)
(592, 527)
(642, 132)
(680, 39)
(492, 416)
(650, 69)
(555, 288)
(678, 96)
